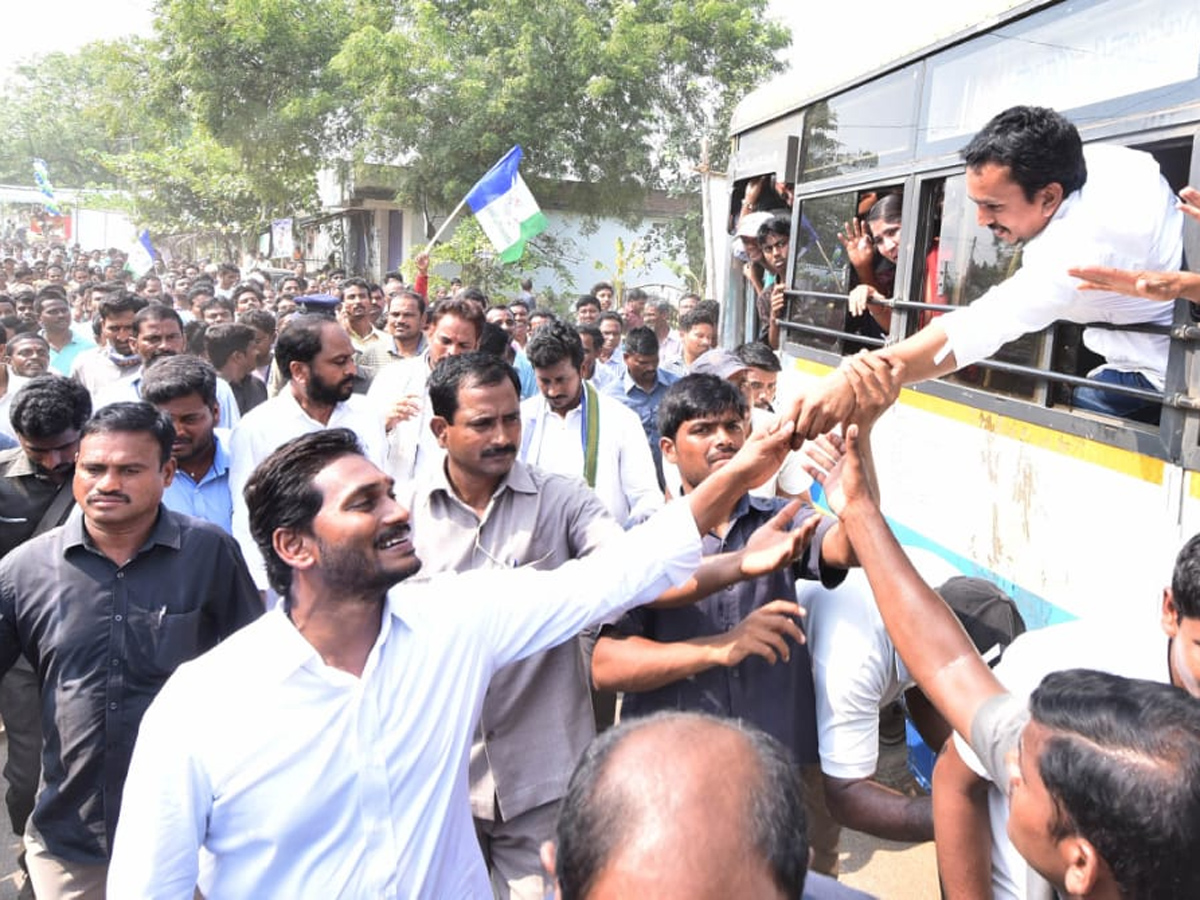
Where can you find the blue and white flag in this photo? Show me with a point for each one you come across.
(41, 177)
(505, 208)
(140, 258)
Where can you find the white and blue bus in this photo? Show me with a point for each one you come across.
(990, 470)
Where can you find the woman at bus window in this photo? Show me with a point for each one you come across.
(872, 246)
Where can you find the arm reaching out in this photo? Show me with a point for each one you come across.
(927, 635)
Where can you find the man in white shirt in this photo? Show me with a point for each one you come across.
(1034, 184)
(575, 430)
(316, 359)
(399, 397)
(323, 752)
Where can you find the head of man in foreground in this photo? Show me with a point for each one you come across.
(646, 814)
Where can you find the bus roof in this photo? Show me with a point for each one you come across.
(789, 91)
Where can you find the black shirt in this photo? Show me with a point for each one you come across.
(103, 639)
(25, 496)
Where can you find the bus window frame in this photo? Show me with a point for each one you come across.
(1177, 437)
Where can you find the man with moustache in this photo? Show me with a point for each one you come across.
(316, 358)
(105, 607)
(35, 494)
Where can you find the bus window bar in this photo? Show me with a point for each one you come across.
(1189, 333)
(1175, 401)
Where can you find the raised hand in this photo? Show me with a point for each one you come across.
(764, 633)
(775, 544)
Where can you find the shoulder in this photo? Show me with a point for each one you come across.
(613, 407)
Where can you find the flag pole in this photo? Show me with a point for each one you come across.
(442, 228)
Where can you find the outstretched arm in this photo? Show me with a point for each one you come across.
(635, 663)
(927, 635)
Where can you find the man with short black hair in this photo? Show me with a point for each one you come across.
(762, 374)
(127, 582)
(406, 323)
(230, 349)
(185, 388)
(358, 318)
(697, 335)
(603, 291)
(587, 310)
(575, 430)
(316, 360)
(54, 317)
(35, 494)
(116, 359)
(215, 311)
(642, 385)
(609, 359)
(1034, 184)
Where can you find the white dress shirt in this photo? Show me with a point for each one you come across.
(626, 481)
(1124, 216)
(270, 425)
(413, 451)
(259, 771)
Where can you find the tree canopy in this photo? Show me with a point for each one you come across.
(221, 120)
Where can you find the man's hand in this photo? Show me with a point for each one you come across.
(1163, 286)
(775, 545)
(405, 408)
(778, 301)
(1191, 202)
(876, 384)
(422, 261)
(762, 633)
(860, 250)
(817, 410)
(837, 465)
(856, 303)
(762, 454)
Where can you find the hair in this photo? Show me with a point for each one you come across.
(412, 295)
(301, 281)
(541, 312)
(494, 340)
(281, 493)
(758, 355)
(467, 310)
(300, 340)
(552, 343)
(886, 209)
(599, 814)
(519, 302)
(393, 275)
(252, 286)
(223, 340)
(600, 286)
(1185, 580)
(698, 315)
(593, 332)
(258, 318)
(356, 282)
(695, 397)
(226, 267)
(156, 312)
(171, 377)
(527, 284)
(779, 225)
(48, 405)
(27, 336)
(218, 303)
(474, 369)
(136, 417)
(50, 292)
(123, 303)
(199, 289)
(636, 295)
(1038, 145)
(641, 341)
(609, 316)
(587, 300)
(1122, 766)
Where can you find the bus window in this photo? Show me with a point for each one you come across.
(820, 268)
(969, 260)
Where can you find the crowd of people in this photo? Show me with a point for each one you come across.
(314, 587)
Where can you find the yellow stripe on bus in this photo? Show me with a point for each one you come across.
(1126, 462)
(1195, 479)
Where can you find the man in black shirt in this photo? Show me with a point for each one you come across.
(106, 607)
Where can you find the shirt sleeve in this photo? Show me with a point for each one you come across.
(241, 466)
(543, 609)
(996, 732)
(639, 478)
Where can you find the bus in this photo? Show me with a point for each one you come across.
(990, 471)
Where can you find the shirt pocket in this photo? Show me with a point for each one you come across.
(159, 640)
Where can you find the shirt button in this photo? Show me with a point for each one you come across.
(120, 574)
(113, 705)
(116, 662)
(118, 617)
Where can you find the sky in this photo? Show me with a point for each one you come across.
(48, 25)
